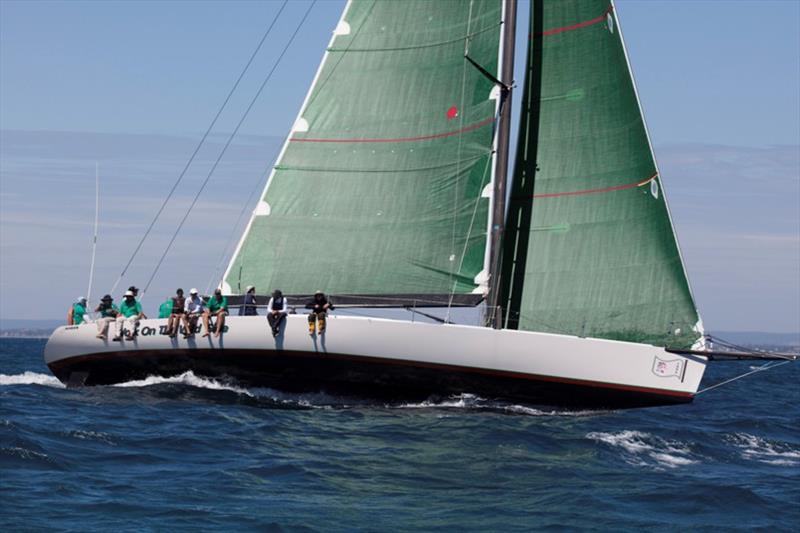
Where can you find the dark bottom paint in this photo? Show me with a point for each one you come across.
(354, 375)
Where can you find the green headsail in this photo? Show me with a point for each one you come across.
(381, 186)
(589, 247)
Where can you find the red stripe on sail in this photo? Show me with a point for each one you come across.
(596, 191)
(579, 25)
(400, 139)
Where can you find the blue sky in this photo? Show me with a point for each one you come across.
(132, 85)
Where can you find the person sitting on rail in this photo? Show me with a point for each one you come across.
(248, 307)
(319, 311)
(277, 308)
(178, 304)
(193, 310)
(76, 313)
(108, 314)
(130, 311)
(218, 308)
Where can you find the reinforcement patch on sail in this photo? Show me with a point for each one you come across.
(378, 190)
(589, 247)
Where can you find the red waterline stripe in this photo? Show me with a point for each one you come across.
(579, 25)
(399, 139)
(594, 191)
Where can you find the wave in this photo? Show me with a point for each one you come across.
(31, 378)
(473, 402)
(644, 449)
(764, 451)
(187, 378)
(319, 400)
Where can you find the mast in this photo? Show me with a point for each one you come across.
(494, 314)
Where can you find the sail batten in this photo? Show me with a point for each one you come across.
(590, 249)
(380, 186)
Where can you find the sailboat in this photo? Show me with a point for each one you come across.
(390, 192)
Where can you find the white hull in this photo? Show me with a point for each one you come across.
(390, 355)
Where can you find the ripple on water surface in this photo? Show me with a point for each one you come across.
(188, 452)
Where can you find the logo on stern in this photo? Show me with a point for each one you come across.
(670, 368)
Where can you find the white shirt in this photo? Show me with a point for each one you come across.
(283, 310)
(194, 304)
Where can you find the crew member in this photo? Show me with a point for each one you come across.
(193, 310)
(76, 313)
(178, 304)
(319, 311)
(248, 307)
(276, 312)
(218, 308)
(130, 311)
(108, 313)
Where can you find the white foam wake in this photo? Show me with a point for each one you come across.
(187, 378)
(31, 378)
(642, 449)
(471, 401)
(764, 451)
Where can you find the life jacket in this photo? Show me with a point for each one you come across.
(277, 304)
(107, 310)
(178, 304)
(249, 305)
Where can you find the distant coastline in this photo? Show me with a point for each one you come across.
(25, 333)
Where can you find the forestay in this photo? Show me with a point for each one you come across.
(384, 184)
(589, 248)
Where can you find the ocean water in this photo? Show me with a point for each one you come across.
(192, 454)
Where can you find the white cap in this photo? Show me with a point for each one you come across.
(128, 293)
(193, 291)
(249, 288)
(81, 299)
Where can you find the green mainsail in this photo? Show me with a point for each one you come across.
(589, 247)
(382, 186)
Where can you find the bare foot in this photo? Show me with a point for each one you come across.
(205, 334)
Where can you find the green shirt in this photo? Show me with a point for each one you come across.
(78, 310)
(106, 310)
(165, 309)
(130, 309)
(215, 305)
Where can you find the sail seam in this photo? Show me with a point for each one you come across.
(418, 46)
(380, 171)
(577, 26)
(400, 139)
(599, 190)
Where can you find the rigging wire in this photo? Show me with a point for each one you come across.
(96, 224)
(235, 226)
(458, 161)
(228, 143)
(766, 366)
(197, 148)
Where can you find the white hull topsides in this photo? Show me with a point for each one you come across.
(554, 368)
